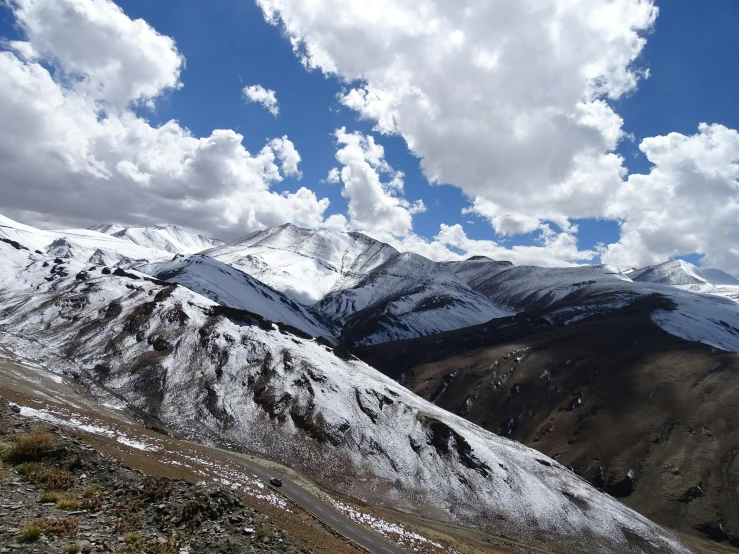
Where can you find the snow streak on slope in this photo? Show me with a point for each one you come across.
(230, 287)
(406, 297)
(81, 244)
(162, 237)
(172, 353)
(304, 264)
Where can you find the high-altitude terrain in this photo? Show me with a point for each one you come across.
(250, 344)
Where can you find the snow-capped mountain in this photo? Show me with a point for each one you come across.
(303, 264)
(680, 272)
(686, 276)
(81, 244)
(405, 297)
(223, 375)
(230, 287)
(170, 238)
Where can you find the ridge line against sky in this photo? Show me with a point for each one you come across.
(545, 133)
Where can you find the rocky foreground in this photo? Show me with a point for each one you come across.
(57, 494)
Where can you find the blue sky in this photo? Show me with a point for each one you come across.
(690, 53)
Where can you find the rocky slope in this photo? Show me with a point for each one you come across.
(219, 374)
(642, 414)
(61, 495)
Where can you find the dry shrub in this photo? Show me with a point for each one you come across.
(63, 526)
(51, 478)
(128, 522)
(32, 448)
(92, 503)
(73, 548)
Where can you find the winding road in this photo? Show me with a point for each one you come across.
(357, 534)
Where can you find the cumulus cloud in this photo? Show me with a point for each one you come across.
(373, 188)
(688, 203)
(333, 176)
(552, 249)
(73, 147)
(507, 99)
(263, 96)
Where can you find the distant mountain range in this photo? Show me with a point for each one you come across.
(256, 341)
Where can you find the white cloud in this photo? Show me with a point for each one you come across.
(288, 156)
(71, 146)
(506, 99)
(333, 176)
(372, 187)
(451, 243)
(263, 96)
(688, 203)
(98, 51)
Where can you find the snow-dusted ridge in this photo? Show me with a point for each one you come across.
(303, 264)
(171, 238)
(228, 286)
(82, 244)
(294, 399)
(406, 297)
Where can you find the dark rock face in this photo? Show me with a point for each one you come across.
(105, 271)
(620, 488)
(15, 244)
(121, 273)
(603, 397)
(446, 441)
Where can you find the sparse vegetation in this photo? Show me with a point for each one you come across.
(48, 477)
(91, 491)
(92, 500)
(195, 508)
(49, 497)
(68, 502)
(156, 490)
(6, 447)
(135, 544)
(73, 548)
(128, 522)
(264, 531)
(31, 532)
(63, 527)
(32, 447)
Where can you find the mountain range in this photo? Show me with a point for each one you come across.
(608, 381)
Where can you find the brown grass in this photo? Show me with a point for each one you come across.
(68, 502)
(73, 548)
(51, 478)
(32, 448)
(49, 497)
(31, 532)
